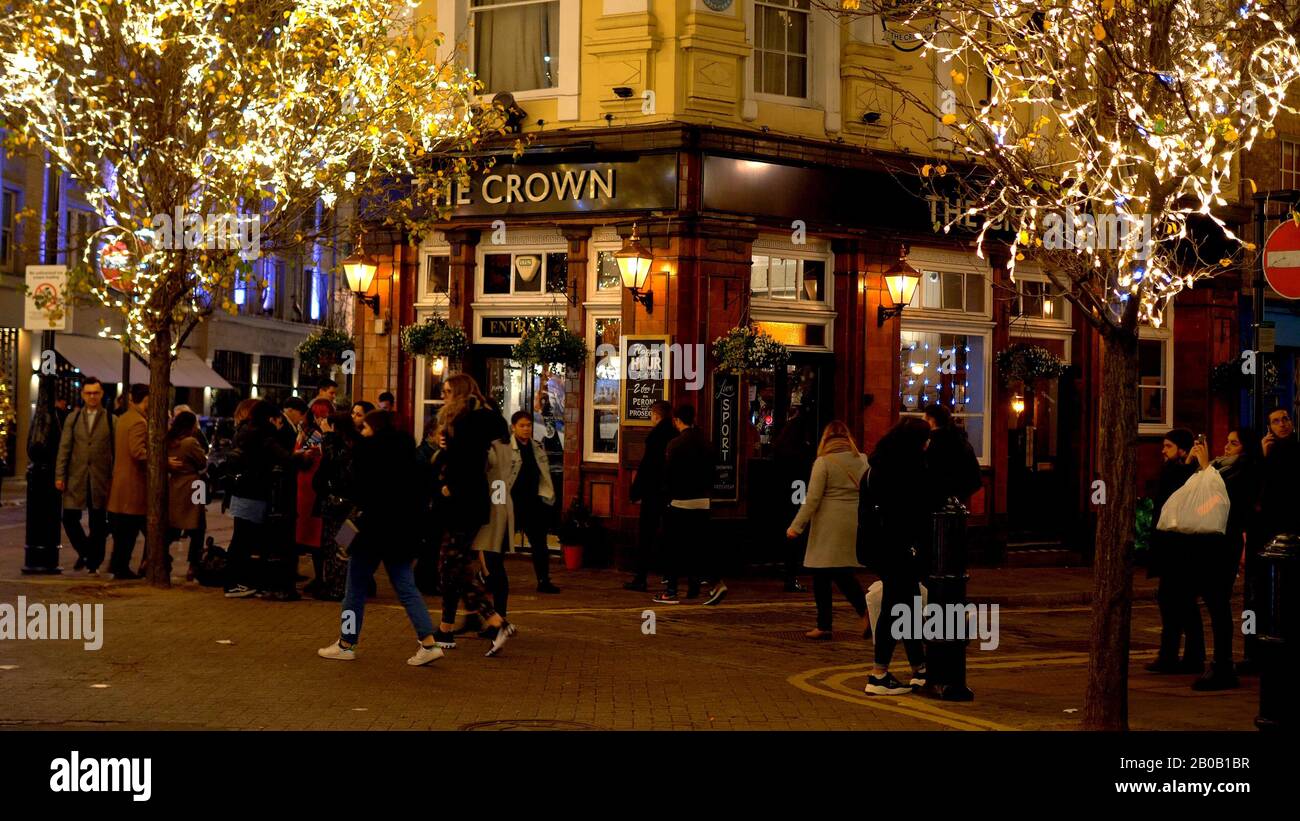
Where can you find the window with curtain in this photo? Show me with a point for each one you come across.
(603, 388)
(781, 47)
(516, 44)
(8, 224)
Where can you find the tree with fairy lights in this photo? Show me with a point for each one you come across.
(1096, 138)
(201, 132)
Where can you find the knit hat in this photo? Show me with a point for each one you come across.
(1182, 437)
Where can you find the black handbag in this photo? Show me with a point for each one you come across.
(212, 567)
(871, 523)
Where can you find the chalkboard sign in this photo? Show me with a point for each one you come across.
(644, 363)
(726, 435)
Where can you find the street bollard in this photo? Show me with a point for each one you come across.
(946, 658)
(1279, 659)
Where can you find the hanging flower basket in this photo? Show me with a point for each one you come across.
(1023, 362)
(1227, 378)
(325, 346)
(435, 337)
(547, 341)
(745, 350)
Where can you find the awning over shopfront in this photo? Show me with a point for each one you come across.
(188, 371)
(102, 358)
(97, 357)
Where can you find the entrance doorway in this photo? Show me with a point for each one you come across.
(1040, 471)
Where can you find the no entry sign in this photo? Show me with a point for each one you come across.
(1282, 259)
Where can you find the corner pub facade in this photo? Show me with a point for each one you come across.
(793, 236)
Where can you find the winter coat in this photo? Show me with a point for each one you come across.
(648, 483)
(85, 460)
(1279, 496)
(953, 466)
(501, 511)
(831, 508)
(385, 490)
(332, 479)
(182, 512)
(897, 488)
(129, 495)
(689, 466)
(463, 467)
(259, 449)
(1165, 546)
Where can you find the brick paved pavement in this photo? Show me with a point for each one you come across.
(189, 658)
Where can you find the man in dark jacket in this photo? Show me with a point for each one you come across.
(688, 484)
(648, 489)
(260, 461)
(1279, 512)
(83, 472)
(950, 458)
(1171, 561)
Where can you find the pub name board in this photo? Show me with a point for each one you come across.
(646, 183)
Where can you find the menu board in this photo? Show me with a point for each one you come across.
(644, 362)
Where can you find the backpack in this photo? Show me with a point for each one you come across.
(212, 567)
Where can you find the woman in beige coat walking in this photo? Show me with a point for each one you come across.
(831, 509)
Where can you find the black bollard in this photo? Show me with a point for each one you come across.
(946, 657)
(44, 501)
(1279, 661)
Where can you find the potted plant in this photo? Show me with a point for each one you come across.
(576, 534)
(548, 341)
(325, 346)
(745, 350)
(435, 337)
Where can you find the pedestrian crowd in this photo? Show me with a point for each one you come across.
(342, 486)
(1215, 516)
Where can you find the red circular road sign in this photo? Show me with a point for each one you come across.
(1282, 259)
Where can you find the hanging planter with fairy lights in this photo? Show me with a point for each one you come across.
(435, 337)
(745, 350)
(1024, 363)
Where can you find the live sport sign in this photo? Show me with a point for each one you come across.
(1282, 259)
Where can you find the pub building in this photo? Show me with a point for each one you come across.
(795, 236)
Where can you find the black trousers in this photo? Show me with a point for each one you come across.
(1180, 570)
(847, 581)
(647, 541)
(127, 528)
(687, 550)
(458, 579)
(900, 580)
(531, 519)
(90, 549)
(498, 584)
(1218, 573)
(248, 536)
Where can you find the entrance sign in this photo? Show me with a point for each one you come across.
(1282, 259)
(47, 298)
(643, 363)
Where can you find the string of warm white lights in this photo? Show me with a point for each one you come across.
(1129, 111)
(249, 107)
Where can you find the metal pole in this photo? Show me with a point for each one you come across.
(1257, 312)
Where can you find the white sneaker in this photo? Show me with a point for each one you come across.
(504, 632)
(338, 651)
(716, 595)
(425, 655)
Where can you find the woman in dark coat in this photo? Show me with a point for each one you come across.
(186, 462)
(468, 426)
(384, 489)
(256, 454)
(897, 482)
(332, 487)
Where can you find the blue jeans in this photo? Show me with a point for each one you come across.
(361, 569)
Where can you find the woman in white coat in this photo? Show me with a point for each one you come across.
(830, 507)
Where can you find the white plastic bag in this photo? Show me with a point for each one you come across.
(876, 593)
(1199, 506)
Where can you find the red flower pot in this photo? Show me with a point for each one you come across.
(573, 556)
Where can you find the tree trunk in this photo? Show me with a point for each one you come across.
(160, 370)
(1106, 698)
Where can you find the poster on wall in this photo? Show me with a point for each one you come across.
(726, 399)
(47, 304)
(644, 359)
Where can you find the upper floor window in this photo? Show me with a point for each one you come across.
(962, 291)
(1290, 164)
(524, 274)
(1156, 375)
(8, 226)
(781, 47)
(79, 226)
(800, 280)
(1036, 299)
(516, 44)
